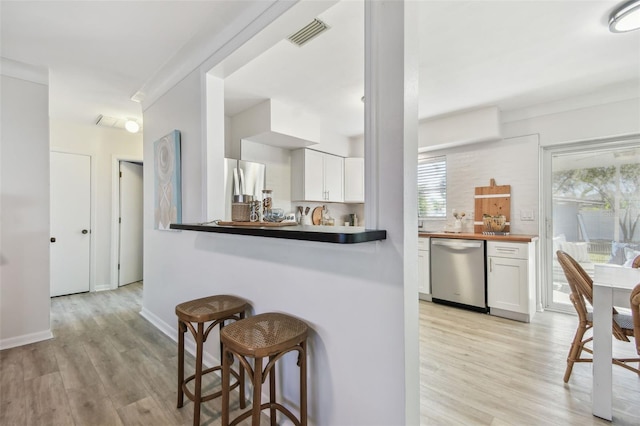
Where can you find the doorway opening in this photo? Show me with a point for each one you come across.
(127, 238)
(593, 203)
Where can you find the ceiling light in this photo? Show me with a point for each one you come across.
(625, 18)
(131, 126)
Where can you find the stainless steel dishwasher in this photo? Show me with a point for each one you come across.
(458, 273)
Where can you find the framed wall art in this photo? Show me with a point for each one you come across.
(167, 181)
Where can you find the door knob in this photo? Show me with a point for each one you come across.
(53, 239)
(84, 231)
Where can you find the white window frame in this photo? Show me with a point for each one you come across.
(436, 182)
(546, 225)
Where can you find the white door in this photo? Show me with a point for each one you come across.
(70, 222)
(130, 223)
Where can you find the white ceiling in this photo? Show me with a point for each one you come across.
(100, 53)
(472, 53)
(511, 54)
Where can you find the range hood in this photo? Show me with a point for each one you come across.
(277, 124)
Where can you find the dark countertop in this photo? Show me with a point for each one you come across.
(324, 234)
(513, 238)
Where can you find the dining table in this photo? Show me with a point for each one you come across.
(612, 285)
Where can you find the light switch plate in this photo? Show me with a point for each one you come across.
(526, 215)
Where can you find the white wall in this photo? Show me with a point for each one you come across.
(356, 146)
(249, 122)
(460, 128)
(105, 146)
(324, 284)
(575, 124)
(24, 212)
(278, 170)
(456, 129)
(352, 296)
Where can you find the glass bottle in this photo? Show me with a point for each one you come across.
(267, 202)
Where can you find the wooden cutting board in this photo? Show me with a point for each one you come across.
(493, 200)
(316, 216)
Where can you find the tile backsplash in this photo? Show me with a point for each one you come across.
(339, 211)
(512, 161)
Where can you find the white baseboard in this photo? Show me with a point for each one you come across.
(26, 339)
(103, 287)
(172, 331)
(424, 296)
(516, 316)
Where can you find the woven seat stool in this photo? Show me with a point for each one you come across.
(216, 310)
(265, 335)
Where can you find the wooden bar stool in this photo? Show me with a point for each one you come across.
(217, 310)
(266, 335)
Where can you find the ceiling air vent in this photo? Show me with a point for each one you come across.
(106, 121)
(311, 30)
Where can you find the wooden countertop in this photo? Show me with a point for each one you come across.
(513, 238)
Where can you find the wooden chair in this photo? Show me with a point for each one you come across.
(581, 294)
(270, 336)
(634, 300)
(215, 310)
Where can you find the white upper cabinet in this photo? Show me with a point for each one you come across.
(316, 176)
(333, 178)
(354, 180)
(312, 176)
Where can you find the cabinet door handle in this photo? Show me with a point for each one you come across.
(490, 265)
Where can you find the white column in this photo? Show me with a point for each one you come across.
(391, 147)
(213, 157)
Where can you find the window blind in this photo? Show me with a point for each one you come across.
(432, 187)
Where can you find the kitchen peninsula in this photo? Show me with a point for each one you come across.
(324, 234)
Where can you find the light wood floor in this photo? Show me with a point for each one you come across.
(477, 369)
(107, 365)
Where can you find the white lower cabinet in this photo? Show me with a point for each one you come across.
(511, 280)
(424, 281)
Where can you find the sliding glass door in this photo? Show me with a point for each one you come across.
(592, 209)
